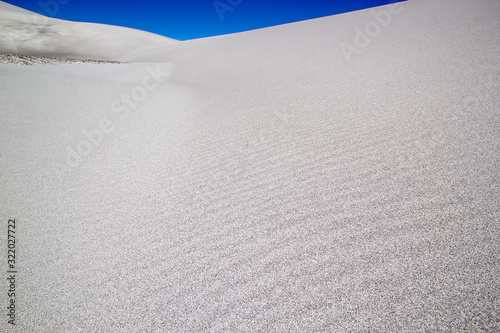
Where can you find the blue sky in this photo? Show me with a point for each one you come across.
(190, 19)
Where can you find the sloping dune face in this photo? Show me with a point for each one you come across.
(335, 175)
(24, 32)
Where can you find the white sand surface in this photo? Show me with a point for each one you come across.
(263, 181)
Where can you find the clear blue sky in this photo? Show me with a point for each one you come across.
(190, 19)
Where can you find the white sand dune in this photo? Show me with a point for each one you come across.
(25, 32)
(265, 181)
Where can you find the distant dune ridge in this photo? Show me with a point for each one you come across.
(24, 32)
(333, 175)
